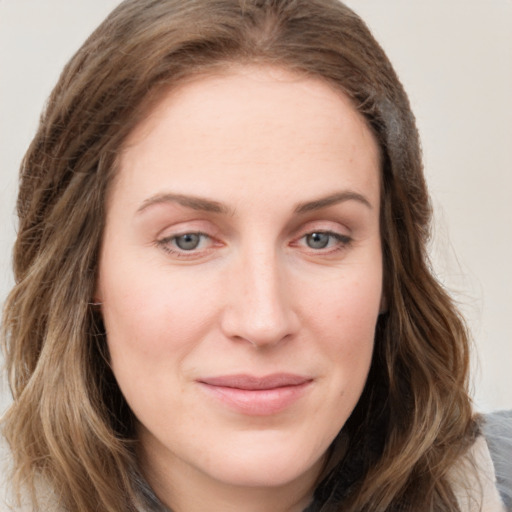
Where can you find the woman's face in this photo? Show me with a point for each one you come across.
(241, 276)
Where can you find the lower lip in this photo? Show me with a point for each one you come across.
(258, 402)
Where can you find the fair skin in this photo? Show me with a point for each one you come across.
(241, 281)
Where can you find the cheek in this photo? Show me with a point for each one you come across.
(342, 316)
(153, 319)
(347, 306)
(154, 324)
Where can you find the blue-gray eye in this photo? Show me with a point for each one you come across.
(188, 241)
(318, 240)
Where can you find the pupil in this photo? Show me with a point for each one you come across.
(317, 240)
(188, 242)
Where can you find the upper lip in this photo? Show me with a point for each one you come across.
(252, 382)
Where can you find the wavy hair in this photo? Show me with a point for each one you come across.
(69, 425)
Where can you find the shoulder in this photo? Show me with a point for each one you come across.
(6, 498)
(482, 479)
(8, 501)
(497, 430)
(46, 498)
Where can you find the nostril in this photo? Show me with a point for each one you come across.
(261, 326)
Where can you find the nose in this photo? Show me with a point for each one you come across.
(259, 301)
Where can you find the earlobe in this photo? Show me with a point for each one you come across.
(95, 304)
(97, 300)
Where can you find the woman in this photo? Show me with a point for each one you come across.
(223, 299)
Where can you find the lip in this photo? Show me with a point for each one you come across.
(255, 395)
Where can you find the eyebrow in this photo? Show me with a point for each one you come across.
(192, 202)
(209, 205)
(330, 200)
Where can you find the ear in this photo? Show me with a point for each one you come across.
(96, 301)
(383, 305)
(97, 297)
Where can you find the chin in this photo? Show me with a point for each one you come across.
(267, 466)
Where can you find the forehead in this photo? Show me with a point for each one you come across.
(248, 85)
(251, 119)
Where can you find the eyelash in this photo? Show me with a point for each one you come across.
(165, 244)
(342, 242)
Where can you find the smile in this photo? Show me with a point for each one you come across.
(257, 396)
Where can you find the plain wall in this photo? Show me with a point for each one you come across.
(455, 60)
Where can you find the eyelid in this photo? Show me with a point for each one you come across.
(342, 238)
(166, 244)
(175, 236)
(333, 226)
(210, 240)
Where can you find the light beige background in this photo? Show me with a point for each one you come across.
(455, 60)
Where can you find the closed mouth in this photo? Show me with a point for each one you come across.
(257, 396)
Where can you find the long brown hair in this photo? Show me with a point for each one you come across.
(69, 425)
